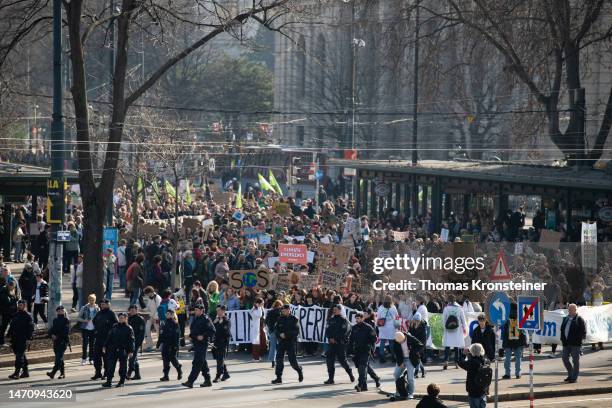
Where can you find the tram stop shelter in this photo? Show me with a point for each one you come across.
(18, 184)
(441, 187)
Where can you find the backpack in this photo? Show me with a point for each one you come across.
(483, 376)
(401, 386)
(162, 309)
(452, 323)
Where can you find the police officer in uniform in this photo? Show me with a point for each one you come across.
(200, 330)
(338, 329)
(287, 329)
(20, 332)
(361, 343)
(103, 322)
(59, 332)
(368, 318)
(119, 346)
(221, 343)
(137, 324)
(169, 335)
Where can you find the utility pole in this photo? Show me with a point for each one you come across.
(415, 112)
(111, 77)
(57, 169)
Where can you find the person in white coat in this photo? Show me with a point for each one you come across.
(386, 315)
(258, 337)
(455, 330)
(468, 307)
(152, 301)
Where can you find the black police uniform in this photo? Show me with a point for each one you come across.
(361, 343)
(103, 322)
(119, 344)
(370, 370)
(137, 323)
(201, 326)
(289, 327)
(20, 331)
(338, 329)
(60, 328)
(169, 335)
(222, 339)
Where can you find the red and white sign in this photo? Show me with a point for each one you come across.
(293, 253)
(500, 269)
(350, 154)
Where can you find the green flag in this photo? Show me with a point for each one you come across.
(156, 190)
(239, 196)
(187, 192)
(169, 189)
(140, 189)
(263, 183)
(274, 183)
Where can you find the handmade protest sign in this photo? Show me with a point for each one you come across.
(258, 279)
(293, 253)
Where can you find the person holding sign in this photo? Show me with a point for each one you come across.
(287, 330)
(338, 328)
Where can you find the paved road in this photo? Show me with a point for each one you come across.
(250, 385)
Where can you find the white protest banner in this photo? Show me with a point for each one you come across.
(208, 222)
(271, 261)
(518, 248)
(325, 239)
(598, 320)
(589, 245)
(444, 235)
(351, 228)
(551, 328)
(240, 326)
(310, 256)
(313, 322)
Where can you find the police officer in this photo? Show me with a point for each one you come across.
(20, 332)
(338, 329)
(103, 322)
(169, 335)
(59, 332)
(287, 329)
(200, 331)
(368, 318)
(361, 343)
(119, 346)
(221, 343)
(137, 324)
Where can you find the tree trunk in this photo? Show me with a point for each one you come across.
(93, 265)
(175, 241)
(135, 214)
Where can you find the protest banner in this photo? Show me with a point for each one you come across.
(192, 223)
(281, 282)
(264, 239)
(308, 281)
(331, 279)
(208, 222)
(271, 261)
(444, 235)
(550, 239)
(250, 232)
(148, 230)
(259, 279)
(293, 253)
(400, 235)
(281, 208)
(240, 321)
(342, 254)
(310, 256)
(351, 229)
(589, 246)
(313, 322)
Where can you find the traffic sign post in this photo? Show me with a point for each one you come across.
(498, 312)
(530, 317)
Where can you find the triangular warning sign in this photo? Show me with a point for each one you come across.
(500, 269)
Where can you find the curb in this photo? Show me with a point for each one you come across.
(74, 355)
(524, 396)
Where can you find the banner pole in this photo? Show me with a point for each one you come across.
(531, 396)
(496, 396)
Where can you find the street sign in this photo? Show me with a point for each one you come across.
(55, 200)
(498, 308)
(500, 269)
(529, 313)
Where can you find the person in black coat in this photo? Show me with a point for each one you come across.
(485, 335)
(418, 328)
(477, 395)
(223, 336)
(368, 318)
(20, 332)
(338, 329)
(27, 285)
(8, 306)
(406, 350)
(431, 400)
(119, 346)
(60, 334)
(361, 344)
(103, 323)
(573, 332)
(169, 335)
(287, 329)
(200, 331)
(137, 323)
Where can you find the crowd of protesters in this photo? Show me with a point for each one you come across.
(182, 275)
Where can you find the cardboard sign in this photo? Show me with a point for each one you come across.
(281, 282)
(264, 239)
(293, 253)
(342, 254)
(208, 222)
(308, 281)
(331, 279)
(281, 209)
(550, 239)
(259, 279)
(145, 230)
(191, 223)
(400, 235)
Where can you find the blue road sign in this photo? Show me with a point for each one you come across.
(529, 313)
(498, 308)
